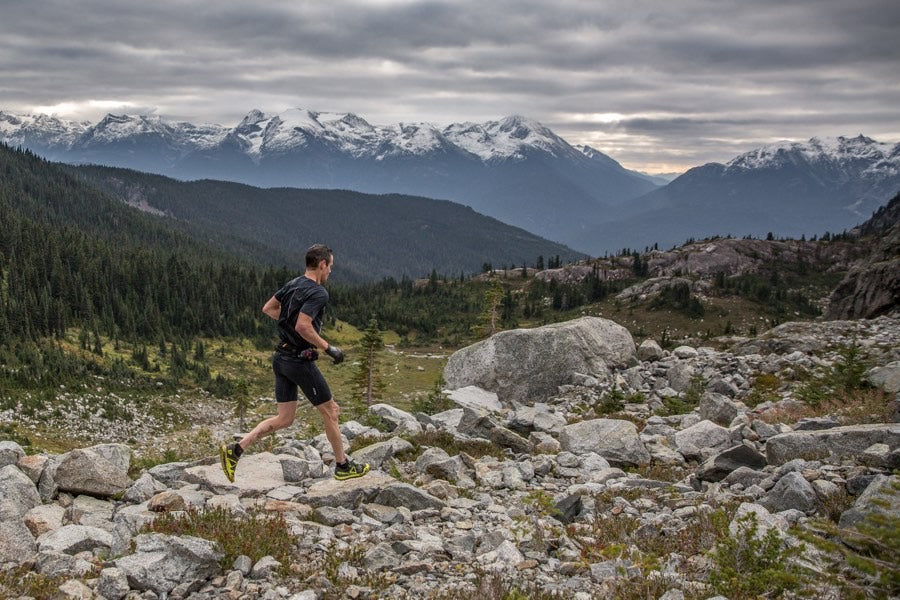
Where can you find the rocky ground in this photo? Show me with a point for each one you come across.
(574, 464)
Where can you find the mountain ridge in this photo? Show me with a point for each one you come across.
(514, 169)
(790, 189)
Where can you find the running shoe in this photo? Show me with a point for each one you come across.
(229, 461)
(350, 470)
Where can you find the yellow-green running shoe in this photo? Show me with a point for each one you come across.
(350, 470)
(229, 461)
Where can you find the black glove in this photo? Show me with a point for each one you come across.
(336, 354)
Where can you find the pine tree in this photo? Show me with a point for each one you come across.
(367, 383)
(492, 304)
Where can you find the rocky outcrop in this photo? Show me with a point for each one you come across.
(161, 562)
(872, 286)
(527, 365)
(445, 514)
(99, 470)
(831, 445)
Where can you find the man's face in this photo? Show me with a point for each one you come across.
(326, 267)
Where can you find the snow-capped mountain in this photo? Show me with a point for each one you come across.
(787, 188)
(514, 169)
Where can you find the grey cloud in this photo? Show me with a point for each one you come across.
(724, 70)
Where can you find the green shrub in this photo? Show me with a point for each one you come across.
(256, 535)
(23, 581)
(765, 389)
(750, 565)
(435, 401)
(451, 445)
(864, 561)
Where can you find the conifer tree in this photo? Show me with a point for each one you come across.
(492, 305)
(367, 383)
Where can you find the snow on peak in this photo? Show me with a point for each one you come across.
(508, 138)
(837, 150)
(258, 133)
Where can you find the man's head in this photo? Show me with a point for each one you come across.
(315, 256)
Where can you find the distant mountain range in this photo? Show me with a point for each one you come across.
(789, 189)
(515, 170)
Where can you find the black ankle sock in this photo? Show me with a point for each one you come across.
(237, 450)
(343, 464)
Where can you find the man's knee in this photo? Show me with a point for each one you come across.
(330, 410)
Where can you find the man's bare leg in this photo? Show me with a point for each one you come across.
(329, 411)
(285, 416)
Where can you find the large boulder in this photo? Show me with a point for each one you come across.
(379, 453)
(886, 377)
(10, 453)
(881, 497)
(161, 562)
(525, 365)
(398, 420)
(256, 474)
(831, 445)
(475, 398)
(791, 492)
(18, 494)
(615, 440)
(403, 494)
(72, 539)
(16, 542)
(98, 471)
(718, 467)
(350, 493)
(703, 438)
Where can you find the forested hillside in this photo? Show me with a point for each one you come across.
(72, 257)
(373, 236)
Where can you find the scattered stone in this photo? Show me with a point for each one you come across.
(10, 453)
(378, 454)
(18, 494)
(505, 438)
(406, 495)
(879, 498)
(886, 377)
(615, 440)
(831, 445)
(264, 567)
(161, 562)
(649, 350)
(71, 539)
(791, 491)
(717, 408)
(398, 420)
(719, 466)
(703, 435)
(475, 398)
(112, 584)
(99, 470)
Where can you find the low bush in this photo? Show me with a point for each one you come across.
(256, 535)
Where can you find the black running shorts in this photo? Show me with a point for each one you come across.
(291, 372)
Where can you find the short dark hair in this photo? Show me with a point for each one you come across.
(317, 253)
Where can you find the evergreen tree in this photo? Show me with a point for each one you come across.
(367, 383)
(492, 305)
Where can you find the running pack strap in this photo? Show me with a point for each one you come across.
(305, 354)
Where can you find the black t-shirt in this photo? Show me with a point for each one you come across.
(300, 295)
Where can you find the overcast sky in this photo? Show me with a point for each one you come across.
(659, 85)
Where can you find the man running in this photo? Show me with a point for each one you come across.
(299, 307)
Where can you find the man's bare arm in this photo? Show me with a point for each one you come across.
(308, 332)
(272, 308)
